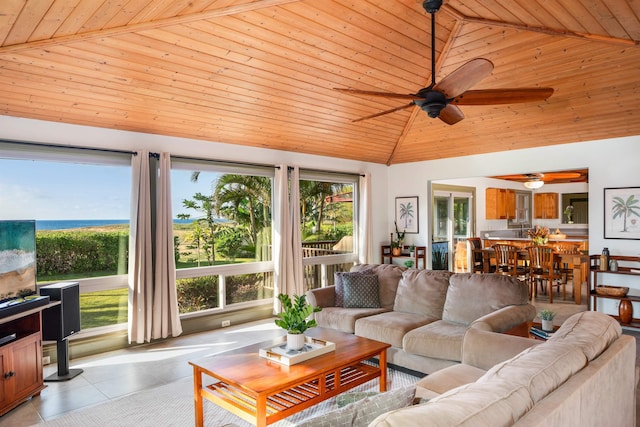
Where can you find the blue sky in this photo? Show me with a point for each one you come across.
(53, 190)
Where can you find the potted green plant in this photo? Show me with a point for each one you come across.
(396, 248)
(546, 316)
(294, 318)
(412, 251)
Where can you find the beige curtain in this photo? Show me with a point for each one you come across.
(140, 255)
(295, 277)
(166, 315)
(287, 243)
(153, 302)
(365, 229)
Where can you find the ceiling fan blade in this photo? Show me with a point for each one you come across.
(373, 93)
(451, 114)
(382, 113)
(464, 77)
(502, 96)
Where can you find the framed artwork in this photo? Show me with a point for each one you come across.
(407, 214)
(622, 213)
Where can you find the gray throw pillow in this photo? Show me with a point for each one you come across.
(363, 412)
(338, 282)
(361, 291)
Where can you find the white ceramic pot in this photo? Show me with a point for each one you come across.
(295, 341)
(547, 325)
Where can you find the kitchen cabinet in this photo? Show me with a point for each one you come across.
(500, 203)
(545, 205)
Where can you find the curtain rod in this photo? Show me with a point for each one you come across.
(326, 171)
(75, 147)
(229, 162)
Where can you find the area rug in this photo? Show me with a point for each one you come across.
(172, 405)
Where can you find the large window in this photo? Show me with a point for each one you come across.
(223, 219)
(80, 201)
(328, 207)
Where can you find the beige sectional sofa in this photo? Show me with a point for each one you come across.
(424, 314)
(585, 375)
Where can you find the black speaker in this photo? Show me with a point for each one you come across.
(61, 321)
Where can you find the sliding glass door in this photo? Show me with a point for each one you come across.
(453, 223)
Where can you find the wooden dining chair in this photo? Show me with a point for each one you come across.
(508, 261)
(475, 248)
(543, 270)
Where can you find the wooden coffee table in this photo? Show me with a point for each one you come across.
(262, 392)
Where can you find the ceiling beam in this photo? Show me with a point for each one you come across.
(544, 30)
(175, 20)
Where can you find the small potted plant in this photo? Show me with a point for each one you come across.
(408, 263)
(547, 316)
(412, 251)
(396, 248)
(294, 318)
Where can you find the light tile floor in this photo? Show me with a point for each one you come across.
(118, 373)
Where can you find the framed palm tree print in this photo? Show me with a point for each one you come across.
(407, 214)
(622, 213)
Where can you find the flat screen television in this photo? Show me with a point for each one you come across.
(17, 259)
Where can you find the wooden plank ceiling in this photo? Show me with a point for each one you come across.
(261, 73)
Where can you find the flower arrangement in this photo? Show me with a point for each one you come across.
(539, 235)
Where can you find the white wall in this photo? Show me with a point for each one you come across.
(611, 163)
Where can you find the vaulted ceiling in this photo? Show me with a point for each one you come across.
(262, 73)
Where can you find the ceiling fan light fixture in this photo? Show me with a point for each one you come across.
(534, 185)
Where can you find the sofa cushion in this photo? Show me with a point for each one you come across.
(541, 369)
(471, 296)
(361, 413)
(496, 403)
(439, 339)
(590, 331)
(389, 276)
(422, 292)
(344, 319)
(361, 291)
(339, 287)
(389, 327)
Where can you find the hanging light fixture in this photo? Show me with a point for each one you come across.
(534, 185)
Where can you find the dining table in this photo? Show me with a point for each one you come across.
(578, 261)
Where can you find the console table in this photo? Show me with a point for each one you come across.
(419, 257)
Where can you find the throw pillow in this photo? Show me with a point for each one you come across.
(338, 282)
(363, 412)
(361, 291)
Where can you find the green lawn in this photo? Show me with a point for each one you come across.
(103, 308)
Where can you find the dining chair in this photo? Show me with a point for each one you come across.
(543, 269)
(475, 248)
(508, 261)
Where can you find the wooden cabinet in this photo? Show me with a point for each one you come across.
(500, 203)
(21, 359)
(545, 205)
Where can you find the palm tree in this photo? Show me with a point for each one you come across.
(625, 208)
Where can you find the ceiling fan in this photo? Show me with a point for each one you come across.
(581, 175)
(442, 99)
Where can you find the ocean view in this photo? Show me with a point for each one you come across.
(66, 224)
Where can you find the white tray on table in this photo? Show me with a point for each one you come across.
(313, 347)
